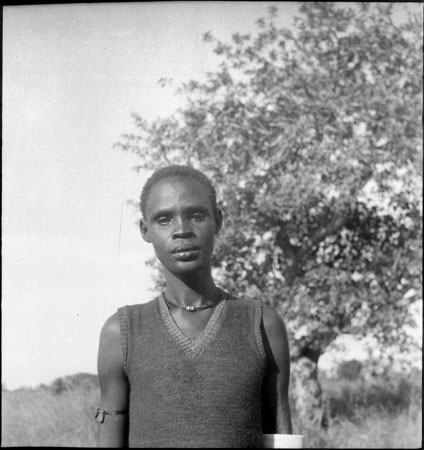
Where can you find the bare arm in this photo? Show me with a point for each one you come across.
(114, 390)
(276, 416)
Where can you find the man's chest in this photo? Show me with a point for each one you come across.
(192, 324)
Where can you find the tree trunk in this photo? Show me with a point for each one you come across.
(308, 402)
(292, 255)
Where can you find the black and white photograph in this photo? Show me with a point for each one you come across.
(212, 224)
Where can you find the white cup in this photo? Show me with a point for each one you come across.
(282, 440)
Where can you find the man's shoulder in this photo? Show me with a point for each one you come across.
(274, 326)
(271, 317)
(238, 303)
(113, 323)
(246, 306)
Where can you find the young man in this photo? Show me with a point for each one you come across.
(194, 367)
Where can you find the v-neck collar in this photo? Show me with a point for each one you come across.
(193, 347)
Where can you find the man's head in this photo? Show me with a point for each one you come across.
(176, 171)
(180, 218)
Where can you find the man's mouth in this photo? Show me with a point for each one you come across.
(186, 252)
(185, 248)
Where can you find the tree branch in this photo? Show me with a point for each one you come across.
(338, 221)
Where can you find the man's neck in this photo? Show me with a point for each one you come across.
(197, 290)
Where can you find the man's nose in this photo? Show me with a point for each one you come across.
(182, 228)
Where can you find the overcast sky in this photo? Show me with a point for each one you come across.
(72, 75)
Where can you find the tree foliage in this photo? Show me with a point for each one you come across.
(313, 137)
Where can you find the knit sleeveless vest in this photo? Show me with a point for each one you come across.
(204, 392)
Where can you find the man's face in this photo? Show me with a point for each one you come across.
(181, 225)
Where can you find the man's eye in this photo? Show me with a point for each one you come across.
(198, 216)
(163, 220)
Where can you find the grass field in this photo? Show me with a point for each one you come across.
(43, 418)
(383, 414)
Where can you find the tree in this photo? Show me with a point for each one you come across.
(350, 369)
(314, 139)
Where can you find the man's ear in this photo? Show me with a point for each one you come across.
(218, 221)
(144, 231)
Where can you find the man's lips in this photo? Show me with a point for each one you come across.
(185, 249)
(186, 252)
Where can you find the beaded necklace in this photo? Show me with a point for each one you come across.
(194, 308)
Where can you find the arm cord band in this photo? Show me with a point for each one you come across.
(101, 413)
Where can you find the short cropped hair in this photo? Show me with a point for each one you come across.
(178, 171)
